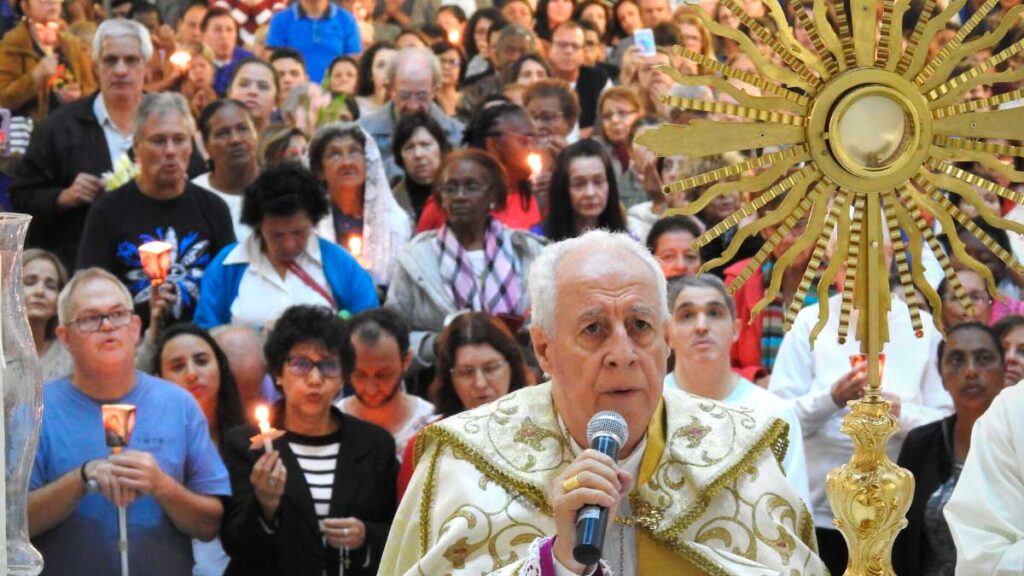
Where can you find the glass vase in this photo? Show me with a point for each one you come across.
(21, 384)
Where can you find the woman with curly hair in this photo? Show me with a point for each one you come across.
(323, 496)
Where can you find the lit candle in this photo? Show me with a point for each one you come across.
(355, 246)
(156, 260)
(181, 59)
(534, 162)
(454, 36)
(263, 420)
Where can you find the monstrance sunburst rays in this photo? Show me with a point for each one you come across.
(864, 121)
(857, 133)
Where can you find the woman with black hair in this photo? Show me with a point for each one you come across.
(372, 84)
(671, 242)
(550, 15)
(254, 82)
(529, 68)
(597, 13)
(283, 262)
(971, 365)
(583, 194)
(188, 356)
(473, 262)
(322, 499)
(419, 147)
(505, 131)
(477, 42)
(342, 76)
(625, 19)
(230, 139)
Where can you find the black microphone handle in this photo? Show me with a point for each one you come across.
(592, 520)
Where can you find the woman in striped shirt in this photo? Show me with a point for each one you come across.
(320, 503)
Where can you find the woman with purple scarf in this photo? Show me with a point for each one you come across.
(472, 263)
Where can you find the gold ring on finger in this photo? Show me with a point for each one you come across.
(572, 483)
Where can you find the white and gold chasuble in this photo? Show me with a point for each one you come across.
(711, 497)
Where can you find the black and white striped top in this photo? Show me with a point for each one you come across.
(318, 457)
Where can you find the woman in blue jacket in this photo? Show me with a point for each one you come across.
(283, 263)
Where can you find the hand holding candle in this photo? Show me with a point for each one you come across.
(118, 424)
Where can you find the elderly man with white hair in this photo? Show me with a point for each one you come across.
(158, 204)
(60, 175)
(698, 488)
(414, 76)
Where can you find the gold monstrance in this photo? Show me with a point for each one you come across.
(860, 133)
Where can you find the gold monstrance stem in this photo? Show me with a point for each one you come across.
(870, 495)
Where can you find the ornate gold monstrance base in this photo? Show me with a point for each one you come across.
(857, 131)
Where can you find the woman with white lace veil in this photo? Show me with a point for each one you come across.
(364, 216)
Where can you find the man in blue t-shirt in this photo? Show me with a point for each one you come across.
(169, 475)
(317, 29)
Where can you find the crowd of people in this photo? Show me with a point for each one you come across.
(354, 194)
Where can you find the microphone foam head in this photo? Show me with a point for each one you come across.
(608, 423)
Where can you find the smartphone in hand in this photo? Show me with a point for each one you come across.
(644, 38)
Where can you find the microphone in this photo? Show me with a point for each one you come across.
(606, 432)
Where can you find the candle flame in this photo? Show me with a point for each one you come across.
(534, 162)
(262, 413)
(355, 246)
(181, 59)
(454, 36)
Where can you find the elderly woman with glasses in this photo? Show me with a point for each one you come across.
(473, 262)
(322, 499)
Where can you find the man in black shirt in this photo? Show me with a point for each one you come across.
(59, 178)
(159, 204)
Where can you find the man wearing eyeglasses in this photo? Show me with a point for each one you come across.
(169, 476)
(413, 78)
(588, 82)
(380, 356)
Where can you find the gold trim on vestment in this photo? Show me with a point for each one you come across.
(517, 443)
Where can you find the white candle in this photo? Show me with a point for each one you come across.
(263, 420)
